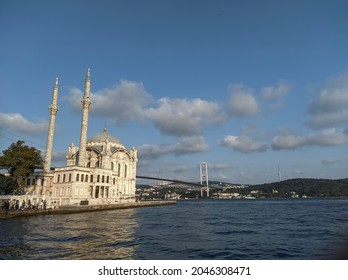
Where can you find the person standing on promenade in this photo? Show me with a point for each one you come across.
(6, 206)
(23, 205)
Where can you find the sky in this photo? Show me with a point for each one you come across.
(242, 85)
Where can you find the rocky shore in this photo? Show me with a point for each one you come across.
(71, 209)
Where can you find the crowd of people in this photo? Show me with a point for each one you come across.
(14, 204)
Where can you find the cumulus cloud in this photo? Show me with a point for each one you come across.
(184, 117)
(187, 145)
(121, 103)
(275, 92)
(242, 103)
(330, 109)
(243, 144)
(328, 137)
(16, 122)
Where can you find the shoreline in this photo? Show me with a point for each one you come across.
(83, 208)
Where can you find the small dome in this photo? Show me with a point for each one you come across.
(103, 137)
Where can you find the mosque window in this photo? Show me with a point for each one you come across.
(82, 178)
(77, 177)
(107, 192)
(69, 177)
(64, 177)
(103, 178)
(125, 171)
(96, 191)
(114, 181)
(98, 178)
(58, 178)
(91, 179)
(86, 178)
(119, 170)
(107, 179)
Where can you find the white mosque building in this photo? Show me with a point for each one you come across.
(100, 171)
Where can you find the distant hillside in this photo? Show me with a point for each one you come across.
(309, 187)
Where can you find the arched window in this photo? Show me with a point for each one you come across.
(125, 171)
(114, 180)
(107, 179)
(103, 178)
(64, 177)
(91, 179)
(119, 170)
(82, 178)
(58, 178)
(98, 178)
(86, 178)
(69, 177)
(77, 177)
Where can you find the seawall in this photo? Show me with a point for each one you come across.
(82, 208)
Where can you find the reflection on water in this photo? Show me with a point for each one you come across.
(96, 235)
(205, 229)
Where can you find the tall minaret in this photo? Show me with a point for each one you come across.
(86, 102)
(53, 108)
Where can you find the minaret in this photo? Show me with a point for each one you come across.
(86, 102)
(53, 108)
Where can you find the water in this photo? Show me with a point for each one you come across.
(202, 229)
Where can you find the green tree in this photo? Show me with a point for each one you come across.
(20, 160)
(9, 186)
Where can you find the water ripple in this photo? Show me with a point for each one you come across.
(211, 229)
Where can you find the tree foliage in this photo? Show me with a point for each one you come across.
(9, 186)
(306, 186)
(20, 160)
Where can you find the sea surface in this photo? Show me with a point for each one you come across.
(192, 229)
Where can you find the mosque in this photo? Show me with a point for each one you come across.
(100, 171)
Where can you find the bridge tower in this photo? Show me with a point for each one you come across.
(203, 171)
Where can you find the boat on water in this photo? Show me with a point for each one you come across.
(249, 197)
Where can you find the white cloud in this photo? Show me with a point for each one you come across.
(242, 103)
(129, 101)
(217, 166)
(184, 117)
(331, 107)
(275, 92)
(328, 137)
(17, 123)
(243, 144)
(330, 161)
(187, 145)
(122, 103)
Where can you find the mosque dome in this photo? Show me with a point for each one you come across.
(103, 137)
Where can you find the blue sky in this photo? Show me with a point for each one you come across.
(241, 85)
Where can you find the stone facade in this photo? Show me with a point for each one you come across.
(108, 177)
